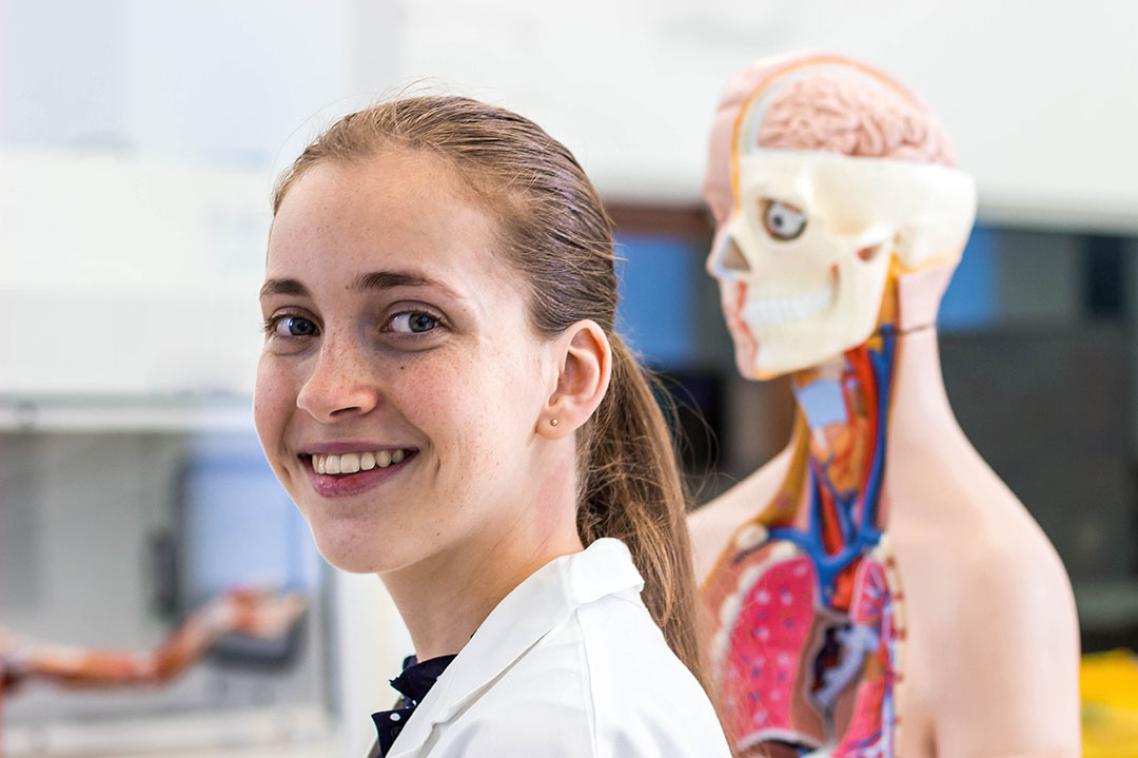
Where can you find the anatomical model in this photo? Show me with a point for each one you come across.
(257, 613)
(875, 589)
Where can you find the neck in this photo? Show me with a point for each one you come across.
(886, 392)
(920, 414)
(444, 598)
(884, 395)
(842, 404)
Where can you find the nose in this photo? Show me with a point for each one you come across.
(340, 385)
(726, 260)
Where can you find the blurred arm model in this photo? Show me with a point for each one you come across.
(250, 612)
(875, 590)
(442, 394)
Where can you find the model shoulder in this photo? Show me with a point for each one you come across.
(1014, 688)
(712, 526)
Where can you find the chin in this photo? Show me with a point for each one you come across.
(352, 558)
(352, 546)
(746, 363)
(757, 373)
(747, 354)
(746, 351)
(764, 371)
(797, 347)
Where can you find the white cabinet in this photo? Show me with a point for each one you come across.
(121, 278)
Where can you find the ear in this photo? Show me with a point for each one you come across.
(919, 294)
(584, 368)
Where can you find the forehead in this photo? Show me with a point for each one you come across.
(395, 210)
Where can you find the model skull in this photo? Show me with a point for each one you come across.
(812, 238)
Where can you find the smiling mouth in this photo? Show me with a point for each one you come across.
(345, 464)
(344, 474)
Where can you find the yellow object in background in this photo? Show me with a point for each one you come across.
(1108, 685)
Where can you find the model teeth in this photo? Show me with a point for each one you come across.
(769, 311)
(350, 463)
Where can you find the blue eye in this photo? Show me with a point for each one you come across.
(413, 322)
(293, 326)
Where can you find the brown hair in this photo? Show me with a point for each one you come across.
(555, 232)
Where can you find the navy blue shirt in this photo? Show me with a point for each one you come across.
(413, 685)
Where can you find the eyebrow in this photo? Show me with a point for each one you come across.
(363, 282)
(283, 287)
(380, 280)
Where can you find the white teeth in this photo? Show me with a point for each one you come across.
(350, 463)
(770, 311)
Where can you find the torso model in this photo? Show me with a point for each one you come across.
(875, 590)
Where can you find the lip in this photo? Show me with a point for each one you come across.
(351, 446)
(347, 485)
(739, 326)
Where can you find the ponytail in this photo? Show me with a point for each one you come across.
(632, 490)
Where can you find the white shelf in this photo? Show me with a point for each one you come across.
(248, 733)
(125, 415)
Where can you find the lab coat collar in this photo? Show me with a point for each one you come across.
(533, 609)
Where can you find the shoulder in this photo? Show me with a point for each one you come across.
(603, 684)
(525, 724)
(645, 700)
(1014, 589)
(539, 706)
(712, 525)
(1014, 651)
(990, 563)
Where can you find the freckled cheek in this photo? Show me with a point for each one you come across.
(464, 413)
(274, 402)
(436, 401)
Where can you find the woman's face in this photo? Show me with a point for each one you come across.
(401, 384)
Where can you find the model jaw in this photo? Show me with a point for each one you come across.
(760, 312)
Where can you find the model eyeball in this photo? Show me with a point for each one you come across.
(783, 221)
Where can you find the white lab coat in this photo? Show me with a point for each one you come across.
(568, 665)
